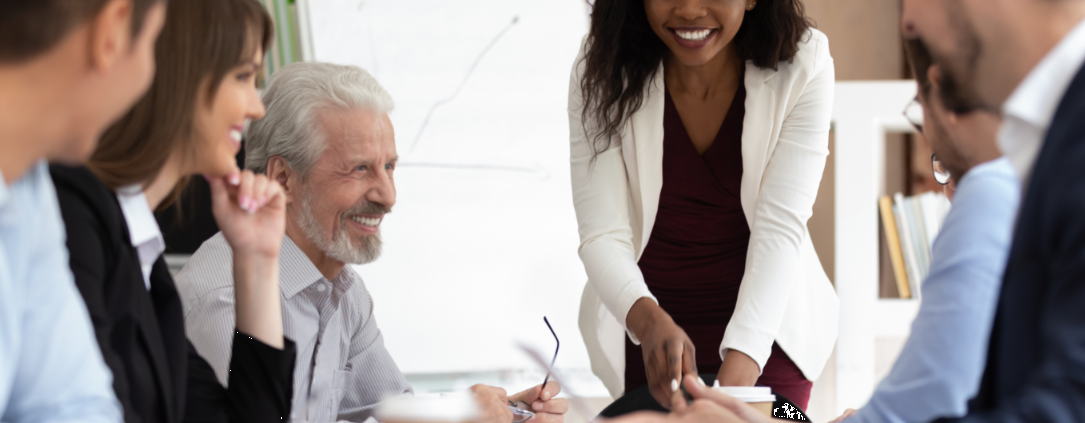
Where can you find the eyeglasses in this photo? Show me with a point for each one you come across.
(914, 113)
(520, 415)
(941, 175)
(555, 360)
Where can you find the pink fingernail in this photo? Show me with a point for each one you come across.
(244, 202)
(235, 179)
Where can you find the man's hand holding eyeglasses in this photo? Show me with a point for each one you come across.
(493, 404)
(547, 408)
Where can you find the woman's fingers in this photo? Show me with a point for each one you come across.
(675, 353)
(659, 380)
(259, 192)
(274, 194)
(689, 359)
(244, 190)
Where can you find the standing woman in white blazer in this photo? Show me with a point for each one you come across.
(699, 132)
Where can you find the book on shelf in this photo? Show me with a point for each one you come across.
(892, 238)
(911, 225)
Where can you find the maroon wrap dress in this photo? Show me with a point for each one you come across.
(696, 254)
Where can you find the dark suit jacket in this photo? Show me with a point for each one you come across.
(157, 374)
(1036, 359)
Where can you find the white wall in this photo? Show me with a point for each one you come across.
(482, 241)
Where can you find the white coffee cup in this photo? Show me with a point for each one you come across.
(760, 397)
(429, 409)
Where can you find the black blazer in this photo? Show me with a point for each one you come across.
(1036, 359)
(157, 374)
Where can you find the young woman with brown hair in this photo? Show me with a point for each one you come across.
(189, 123)
(699, 131)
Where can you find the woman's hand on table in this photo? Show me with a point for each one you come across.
(547, 409)
(738, 369)
(668, 352)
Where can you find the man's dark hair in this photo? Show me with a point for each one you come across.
(624, 54)
(31, 27)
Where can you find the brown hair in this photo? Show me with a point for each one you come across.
(624, 54)
(31, 27)
(201, 41)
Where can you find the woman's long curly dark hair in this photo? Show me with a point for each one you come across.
(624, 54)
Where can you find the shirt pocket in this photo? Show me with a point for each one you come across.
(341, 382)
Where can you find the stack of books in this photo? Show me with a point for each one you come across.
(911, 224)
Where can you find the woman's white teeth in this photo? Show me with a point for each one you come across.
(694, 35)
(367, 221)
(235, 135)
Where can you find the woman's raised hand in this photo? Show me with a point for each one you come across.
(250, 210)
(668, 352)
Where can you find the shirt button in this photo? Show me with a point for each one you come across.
(320, 287)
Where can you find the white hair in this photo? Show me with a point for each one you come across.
(293, 97)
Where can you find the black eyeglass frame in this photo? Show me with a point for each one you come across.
(555, 359)
(943, 177)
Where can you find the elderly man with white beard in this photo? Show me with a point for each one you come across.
(328, 141)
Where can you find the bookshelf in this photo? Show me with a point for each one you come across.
(864, 113)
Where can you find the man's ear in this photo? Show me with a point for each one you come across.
(279, 171)
(110, 35)
(934, 74)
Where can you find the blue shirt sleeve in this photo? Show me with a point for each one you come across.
(51, 369)
(940, 366)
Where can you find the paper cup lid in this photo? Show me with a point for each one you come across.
(748, 393)
(451, 408)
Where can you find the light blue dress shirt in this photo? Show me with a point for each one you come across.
(51, 369)
(940, 366)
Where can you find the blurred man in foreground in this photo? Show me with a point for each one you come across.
(67, 70)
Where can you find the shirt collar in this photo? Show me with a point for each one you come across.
(1037, 98)
(143, 228)
(297, 271)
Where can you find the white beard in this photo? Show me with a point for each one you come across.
(341, 246)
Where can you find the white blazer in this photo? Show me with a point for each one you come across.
(785, 296)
